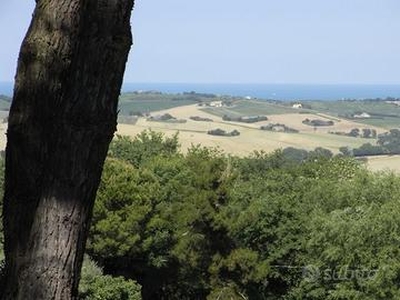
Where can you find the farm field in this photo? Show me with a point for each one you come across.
(251, 137)
(382, 113)
(252, 107)
(384, 163)
(145, 102)
(183, 106)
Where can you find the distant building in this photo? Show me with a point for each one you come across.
(297, 105)
(395, 102)
(216, 104)
(363, 115)
(247, 98)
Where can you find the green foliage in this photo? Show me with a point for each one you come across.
(388, 143)
(205, 225)
(318, 122)
(220, 132)
(281, 226)
(148, 101)
(382, 114)
(369, 149)
(96, 286)
(346, 151)
(162, 215)
(143, 147)
(244, 119)
(295, 155)
(111, 288)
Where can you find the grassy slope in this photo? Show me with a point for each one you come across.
(251, 108)
(145, 102)
(251, 138)
(390, 113)
(384, 163)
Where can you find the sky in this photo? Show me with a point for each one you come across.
(253, 41)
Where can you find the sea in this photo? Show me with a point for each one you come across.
(283, 92)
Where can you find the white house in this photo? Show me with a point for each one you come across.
(216, 104)
(297, 105)
(363, 115)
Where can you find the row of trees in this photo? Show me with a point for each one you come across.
(318, 122)
(366, 133)
(387, 143)
(221, 132)
(245, 119)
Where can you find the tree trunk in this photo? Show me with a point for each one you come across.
(62, 119)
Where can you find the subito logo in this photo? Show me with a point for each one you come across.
(311, 273)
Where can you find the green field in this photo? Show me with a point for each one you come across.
(383, 114)
(144, 103)
(251, 108)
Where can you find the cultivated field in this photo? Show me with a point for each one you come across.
(251, 137)
(384, 163)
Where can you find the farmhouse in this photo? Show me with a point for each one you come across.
(363, 115)
(216, 104)
(297, 105)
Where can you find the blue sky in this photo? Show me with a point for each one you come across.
(254, 41)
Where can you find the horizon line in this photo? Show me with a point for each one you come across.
(246, 83)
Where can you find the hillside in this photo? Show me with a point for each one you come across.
(345, 117)
(200, 113)
(251, 137)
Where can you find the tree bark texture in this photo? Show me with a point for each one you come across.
(62, 119)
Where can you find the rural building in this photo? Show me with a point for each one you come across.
(216, 104)
(395, 102)
(297, 105)
(363, 115)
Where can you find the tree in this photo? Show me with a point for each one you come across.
(366, 133)
(346, 151)
(355, 132)
(62, 119)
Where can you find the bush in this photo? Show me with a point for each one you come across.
(96, 286)
(111, 288)
(278, 127)
(245, 119)
(317, 122)
(220, 132)
(368, 149)
(201, 119)
(143, 147)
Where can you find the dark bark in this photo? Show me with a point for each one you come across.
(62, 119)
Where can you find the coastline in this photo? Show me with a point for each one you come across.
(282, 92)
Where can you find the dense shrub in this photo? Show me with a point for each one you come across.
(278, 127)
(318, 122)
(208, 226)
(245, 119)
(220, 132)
(292, 224)
(96, 286)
